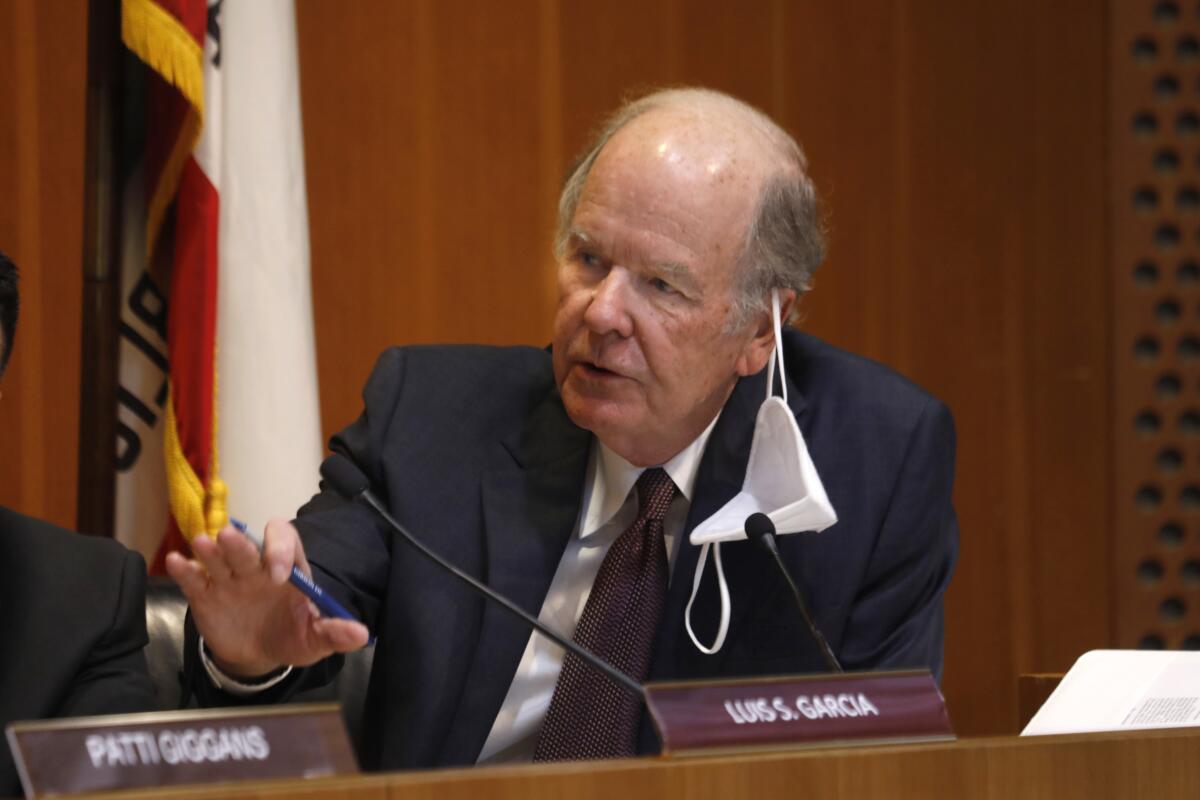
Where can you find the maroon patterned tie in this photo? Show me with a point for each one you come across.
(591, 716)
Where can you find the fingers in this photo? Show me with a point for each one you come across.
(188, 574)
(241, 555)
(212, 559)
(233, 555)
(282, 549)
(244, 618)
(341, 635)
(230, 557)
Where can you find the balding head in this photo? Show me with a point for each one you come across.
(783, 242)
(662, 272)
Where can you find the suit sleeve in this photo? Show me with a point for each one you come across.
(348, 546)
(113, 679)
(896, 620)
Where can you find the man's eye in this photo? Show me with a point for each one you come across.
(587, 259)
(662, 286)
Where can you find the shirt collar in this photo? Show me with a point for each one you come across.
(613, 477)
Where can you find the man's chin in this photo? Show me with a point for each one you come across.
(600, 416)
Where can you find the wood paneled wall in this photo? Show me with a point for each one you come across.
(43, 76)
(959, 147)
(960, 151)
(1155, 274)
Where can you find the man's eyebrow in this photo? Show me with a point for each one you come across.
(676, 272)
(578, 236)
(679, 274)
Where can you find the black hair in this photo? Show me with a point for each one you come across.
(10, 306)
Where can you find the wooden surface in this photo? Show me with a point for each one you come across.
(1156, 559)
(43, 71)
(959, 147)
(101, 289)
(1032, 693)
(1158, 764)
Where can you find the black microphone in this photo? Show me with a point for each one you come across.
(350, 482)
(761, 531)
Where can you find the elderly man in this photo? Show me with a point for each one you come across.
(72, 606)
(570, 480)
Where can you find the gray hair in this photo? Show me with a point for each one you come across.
(786, 240)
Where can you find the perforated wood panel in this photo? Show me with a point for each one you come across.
(1155, 208)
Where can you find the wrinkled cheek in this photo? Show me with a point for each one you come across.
(566, 324)
(558, 363)
(658, 405)
(569, 313)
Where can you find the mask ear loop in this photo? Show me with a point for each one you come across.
(722, 585)
(723, 627)
(777, 353)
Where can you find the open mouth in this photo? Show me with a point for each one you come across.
(594, 371)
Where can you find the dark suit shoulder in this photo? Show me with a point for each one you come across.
(43, 549)
(70, 587)
(73, 607)
(467, 366)
(832, 378)
(468, 387)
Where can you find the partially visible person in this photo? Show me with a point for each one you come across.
(72, 607)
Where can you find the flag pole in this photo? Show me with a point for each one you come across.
(101, 273)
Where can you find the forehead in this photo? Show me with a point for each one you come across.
(675, 178)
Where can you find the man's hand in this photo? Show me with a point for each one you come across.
(252, 620)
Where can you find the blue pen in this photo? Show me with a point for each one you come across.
(325, 602)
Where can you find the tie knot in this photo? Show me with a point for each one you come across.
(656, 490)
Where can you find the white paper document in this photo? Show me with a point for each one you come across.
(1113, 690)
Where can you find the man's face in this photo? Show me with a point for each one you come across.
(643, 354)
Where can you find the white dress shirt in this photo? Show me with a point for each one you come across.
(609, 506)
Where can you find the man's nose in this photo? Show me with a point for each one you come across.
(608, 311)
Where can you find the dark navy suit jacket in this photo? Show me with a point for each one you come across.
(74, 615)
(471, 448)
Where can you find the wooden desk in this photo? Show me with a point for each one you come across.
(1032, 692)
(1150, 764)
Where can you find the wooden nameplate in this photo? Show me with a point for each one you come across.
(702, 717)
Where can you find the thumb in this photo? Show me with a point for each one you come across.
(341, 635)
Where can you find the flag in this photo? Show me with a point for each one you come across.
(226, 216)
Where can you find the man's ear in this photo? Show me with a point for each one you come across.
(762, 332)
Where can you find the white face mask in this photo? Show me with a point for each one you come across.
(781, 482)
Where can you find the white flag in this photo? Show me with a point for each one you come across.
(268, 423)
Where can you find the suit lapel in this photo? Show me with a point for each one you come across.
(531, 496)
(722, 471)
